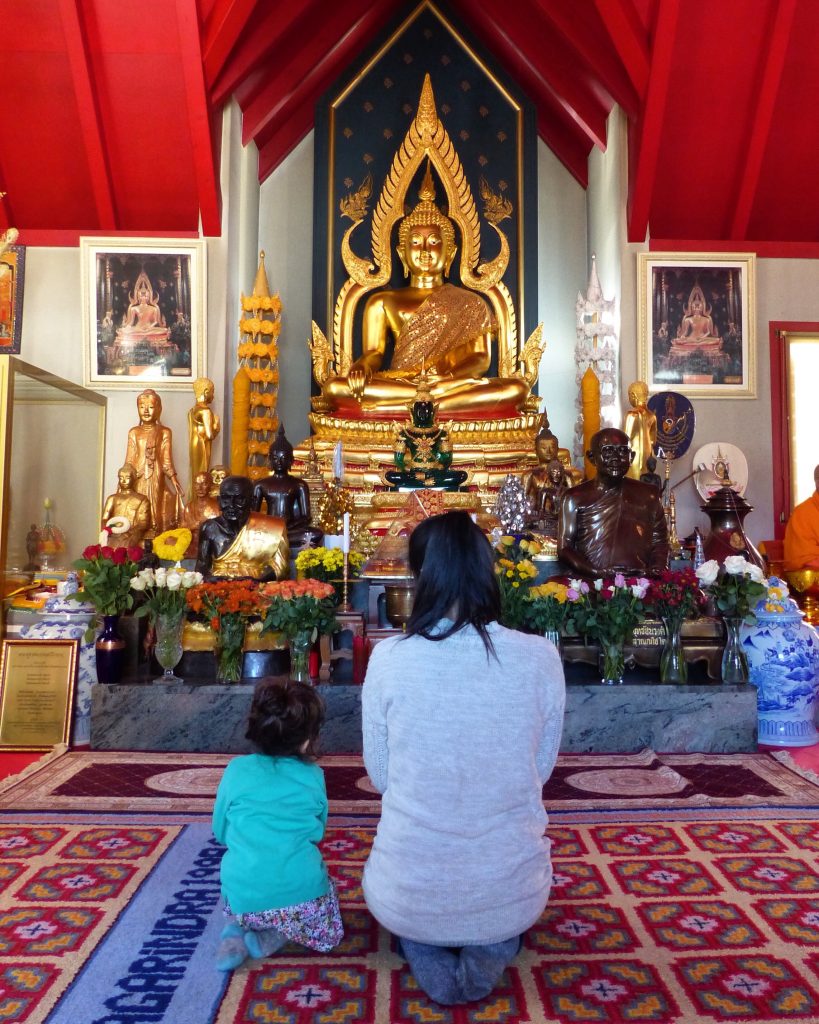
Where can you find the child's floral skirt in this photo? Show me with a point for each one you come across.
(315, 924)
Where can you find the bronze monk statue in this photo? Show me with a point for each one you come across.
(612, 523)
(240, 543)
(286, 496)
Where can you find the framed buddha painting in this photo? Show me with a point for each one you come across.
(143, 312)
(12, 271)
(697, 323)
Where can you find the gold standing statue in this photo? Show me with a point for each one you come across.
(150, 452)
(640, 425)
(203, 429)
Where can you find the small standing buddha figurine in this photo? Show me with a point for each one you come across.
(640, 425)
(203, 429)
(423, 453)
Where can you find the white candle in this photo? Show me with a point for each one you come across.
(345, 544)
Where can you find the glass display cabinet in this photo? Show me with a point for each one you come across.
(52, 447)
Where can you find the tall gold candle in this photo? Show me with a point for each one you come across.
(241, 415)
(590, 399)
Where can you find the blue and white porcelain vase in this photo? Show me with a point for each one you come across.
(783, 657)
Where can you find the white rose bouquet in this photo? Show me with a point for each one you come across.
(164, 591)
(735, 586)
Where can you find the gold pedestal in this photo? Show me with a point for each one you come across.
(804, 586)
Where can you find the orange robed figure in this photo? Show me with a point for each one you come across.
(802, 533)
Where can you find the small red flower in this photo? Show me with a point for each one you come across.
(120, 556)
(92, 551)
(134, 554)
(107, 552)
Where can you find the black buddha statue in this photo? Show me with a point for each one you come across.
(286, 496)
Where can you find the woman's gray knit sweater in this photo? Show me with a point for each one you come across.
(460, 743)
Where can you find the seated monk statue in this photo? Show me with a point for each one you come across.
(239, 542)
(547, 448)
(640, 426)
(612, 523)
(286, 496)
(696, 332)
(545, 490)
(198, 509)
(442, 327)
(143, 321)
(131, 505)
(423, 453)
(802, 533)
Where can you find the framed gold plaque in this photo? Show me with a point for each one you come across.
(36, 692)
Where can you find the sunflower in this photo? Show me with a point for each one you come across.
(172, 544)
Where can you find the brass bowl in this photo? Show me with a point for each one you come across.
(804, 585)
(400, 599)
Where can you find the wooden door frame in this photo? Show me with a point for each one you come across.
(780, 446)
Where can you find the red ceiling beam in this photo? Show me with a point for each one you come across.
(204, 155)
(628, 35)
(254, 48)
(283, 141)
(90, 121)
(222, 31)
(509, 28)
(761, 113)
(651, 125)
(323, 54)
(598, 59)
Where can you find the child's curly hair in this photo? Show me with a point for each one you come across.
(285, 719)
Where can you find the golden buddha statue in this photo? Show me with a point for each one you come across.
(127, 503)
(203, 428)
(640, 425)
(143, 322)
(547, 449)
(445, 328)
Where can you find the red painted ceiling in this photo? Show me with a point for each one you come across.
(110, 112)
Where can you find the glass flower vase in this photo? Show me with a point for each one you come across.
(734, 661)
(230, 642)
(554, 636)
(299, 646)
(612, 663)
(673, 667)
(168, 646)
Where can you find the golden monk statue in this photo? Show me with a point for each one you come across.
(201, 507)
(640, 426)
(446, 330)
(149, 451)
(143, 322)
(129, 504)
(239, 542)
(203, 428)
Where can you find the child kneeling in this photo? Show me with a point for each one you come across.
(270, 813)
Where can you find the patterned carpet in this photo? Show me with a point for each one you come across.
(90, 781)
(676, 922)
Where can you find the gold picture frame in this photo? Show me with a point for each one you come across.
(144, 312)
(697, 323)
(37, 682)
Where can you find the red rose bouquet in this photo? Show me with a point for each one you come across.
(106, 578)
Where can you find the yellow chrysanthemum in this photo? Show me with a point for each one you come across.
(172, 544)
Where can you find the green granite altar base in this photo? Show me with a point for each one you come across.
(710, 718)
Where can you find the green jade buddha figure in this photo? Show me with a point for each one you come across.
(423, 453)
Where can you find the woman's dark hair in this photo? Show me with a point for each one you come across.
(283, 717)
(454, 567)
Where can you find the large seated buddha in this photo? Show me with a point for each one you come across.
(443, 331)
